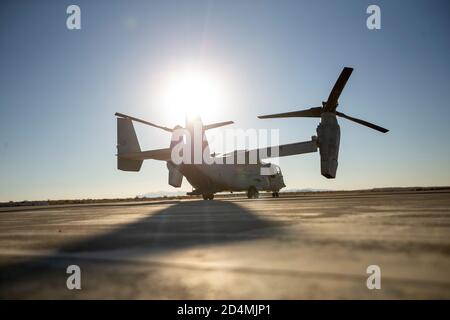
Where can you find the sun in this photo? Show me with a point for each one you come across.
(192, 92)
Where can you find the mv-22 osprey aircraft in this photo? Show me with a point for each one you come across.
(217, 176)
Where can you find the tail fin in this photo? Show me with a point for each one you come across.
(127, 142)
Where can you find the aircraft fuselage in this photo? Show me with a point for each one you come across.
(212, 178)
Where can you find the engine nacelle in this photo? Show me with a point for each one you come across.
(329, 135)
(175, 176)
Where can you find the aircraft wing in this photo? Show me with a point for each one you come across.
(158, 154)
(283, 150)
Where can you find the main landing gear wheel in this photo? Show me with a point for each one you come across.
(275, 194)
(208, 196)
(252, 193)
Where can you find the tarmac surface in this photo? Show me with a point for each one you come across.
(314, 246)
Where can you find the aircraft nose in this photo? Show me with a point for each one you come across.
(282, 181)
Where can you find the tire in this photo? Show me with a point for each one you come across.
(208, 196)
(252, 193)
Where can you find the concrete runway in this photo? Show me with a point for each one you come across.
(295, 247)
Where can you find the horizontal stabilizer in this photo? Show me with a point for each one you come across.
(158, 154)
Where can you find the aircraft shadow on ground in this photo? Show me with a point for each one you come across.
(181, 226)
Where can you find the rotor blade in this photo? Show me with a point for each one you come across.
(362, 122)
(308, 113)
(142, 121)
(216, 125)
(337, 89)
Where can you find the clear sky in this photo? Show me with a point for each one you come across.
(60, 88)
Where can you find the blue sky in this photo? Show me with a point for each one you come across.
(60, 88)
